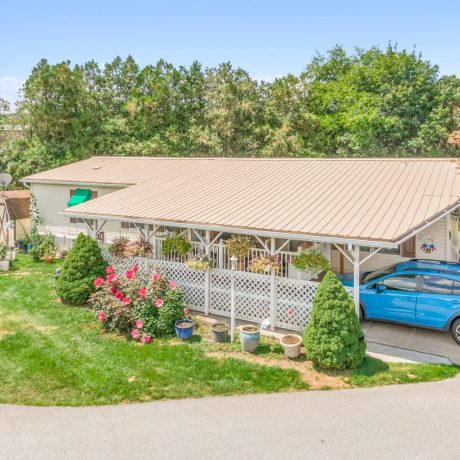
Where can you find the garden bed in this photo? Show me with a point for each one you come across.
(55, 354)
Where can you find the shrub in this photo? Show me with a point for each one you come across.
(333, 337)
(128, 303)
(83, 263)
(2, 250)
(177, 243)
(43, 246)
(118, 247)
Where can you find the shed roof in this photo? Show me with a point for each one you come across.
(17, 203)
(381, 200)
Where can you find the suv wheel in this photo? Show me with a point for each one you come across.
(455, 330)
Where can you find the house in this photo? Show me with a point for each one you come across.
(14, 216)
(362, 213)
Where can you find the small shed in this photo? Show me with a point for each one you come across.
(14, 216)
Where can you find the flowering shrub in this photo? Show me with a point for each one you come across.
(122, 247)
(128, 304)
(118, 247)
(264, 264)
(200, 263)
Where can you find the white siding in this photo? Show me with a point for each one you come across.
(52, 199)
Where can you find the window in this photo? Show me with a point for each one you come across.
(77, 220)
(378, 273)
(402, 283)
(437, 284)
(456, 288)
(132, 225)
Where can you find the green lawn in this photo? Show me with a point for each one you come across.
(54, 354)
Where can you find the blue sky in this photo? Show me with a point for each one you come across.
(267, 38)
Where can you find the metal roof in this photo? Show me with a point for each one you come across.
(379, 200)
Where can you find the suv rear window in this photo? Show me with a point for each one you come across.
(437, 285)
(401, 282)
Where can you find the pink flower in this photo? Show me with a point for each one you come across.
(135, 333)
(110, 278)
(109, 270)
(186, 311)
(146, 339)
(113, 289)
(101, 316)
(129, 275)
(142, 292)
(119, 295)
(98, 282)
(139, 324)
(172, 284)
(156, 277)
(126, 300)
(290, 311)
(159, 303)
(135, 268)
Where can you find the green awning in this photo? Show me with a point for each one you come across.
(80, 196)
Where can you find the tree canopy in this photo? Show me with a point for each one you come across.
(374, 102)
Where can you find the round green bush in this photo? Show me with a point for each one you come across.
(333, 337)
(82, 265)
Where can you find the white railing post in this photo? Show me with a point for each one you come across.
(233, 261)
(207, 291)
(272, 288)
(220, 254)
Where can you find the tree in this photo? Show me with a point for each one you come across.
(333, 337)
(82, 265)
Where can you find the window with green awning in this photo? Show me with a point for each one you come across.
(79, 196)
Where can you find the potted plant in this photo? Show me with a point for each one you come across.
(185, 326)
(291, 344)
(311, 260)
(176, 244)
(249, 338)
(220, 332)
(200, 263)
(239, 246)
(264, 264)
(4, 264)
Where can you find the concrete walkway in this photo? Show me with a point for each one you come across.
(415, 421)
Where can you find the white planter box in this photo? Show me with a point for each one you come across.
(4, 265)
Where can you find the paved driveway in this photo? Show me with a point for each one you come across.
(421, 340)
(404, 421)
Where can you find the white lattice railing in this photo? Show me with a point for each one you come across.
(255, 295)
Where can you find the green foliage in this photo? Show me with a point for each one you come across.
(118, 246)
(171, 311)
(374, 102)
(176, 244)
(311, 260)
(200, 263)
(239, 245)
(333, 337)
(81, 266)
(43, 246)
(2, 250)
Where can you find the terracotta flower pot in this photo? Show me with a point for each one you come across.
(291, 344)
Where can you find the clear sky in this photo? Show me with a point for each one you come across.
(267, 38)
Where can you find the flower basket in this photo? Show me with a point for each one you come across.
(200, 263)
(264, 264)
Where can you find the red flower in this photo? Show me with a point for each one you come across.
(101, 316)
(98, 282)
(109, 270)
(172, 285)
(135, 268)
(186, 311)
(129, 275)
(142, 292)
(159, 303)
(135, 333)
(119, 295)
(126, 300)
(290, 311)
(146, 339)
(156, 277)
(139, 324)
(113, 289)
(110, 278)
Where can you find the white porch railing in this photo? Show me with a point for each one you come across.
(287, 302)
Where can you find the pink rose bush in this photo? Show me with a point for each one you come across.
(139, 307)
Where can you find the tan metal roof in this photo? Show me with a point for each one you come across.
(357, 199)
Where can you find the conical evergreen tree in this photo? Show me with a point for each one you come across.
(82, 265)
(333, 337)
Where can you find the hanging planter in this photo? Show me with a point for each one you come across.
(239, 246)
(200, 263)
(311, 260)
(176, 244)
(265, 264)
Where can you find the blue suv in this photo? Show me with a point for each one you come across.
(418, 292)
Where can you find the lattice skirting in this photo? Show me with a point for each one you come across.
(254, 295)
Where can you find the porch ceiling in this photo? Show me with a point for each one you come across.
(369, 200)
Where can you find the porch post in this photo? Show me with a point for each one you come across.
(355, 254)
(272, 288)
(233, 261)
(220, 255)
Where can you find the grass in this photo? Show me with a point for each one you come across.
(54, 354)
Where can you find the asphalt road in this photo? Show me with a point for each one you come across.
(406, 421)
